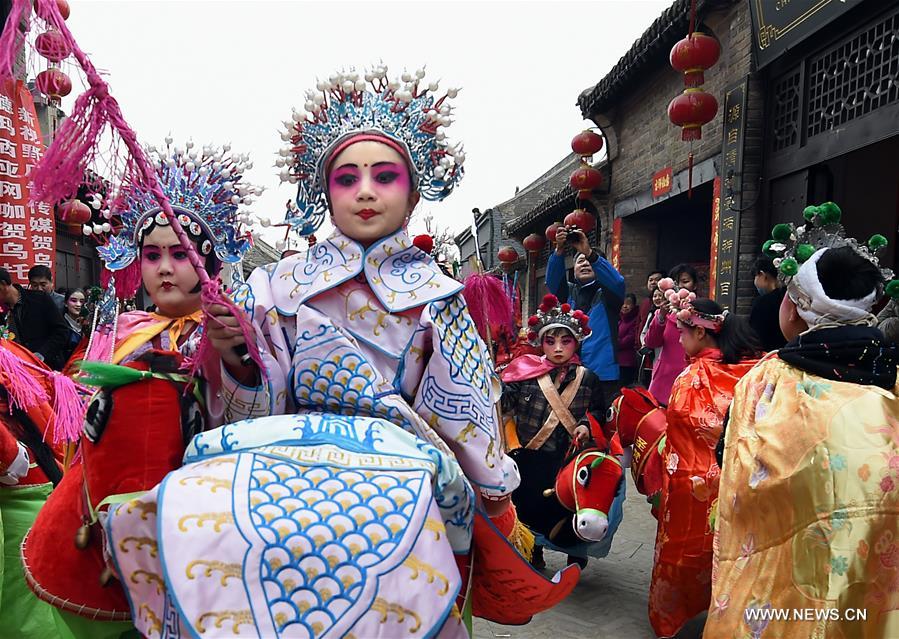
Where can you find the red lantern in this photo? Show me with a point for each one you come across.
(52, 45)
(585, 179)
(581, 219)
(507, 255)
(53, 83)
(693, 55)
(551, 231)
(534, 243)
(74, 213)
(690, 110)
(586, 143)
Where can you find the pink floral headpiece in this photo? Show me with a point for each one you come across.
(681, 301)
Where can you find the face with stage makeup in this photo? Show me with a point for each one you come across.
(559, 345)
(370, 191)
(167, 274)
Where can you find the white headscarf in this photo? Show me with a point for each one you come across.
(816, 308)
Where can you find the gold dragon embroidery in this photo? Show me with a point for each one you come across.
(237, 618)
(214, 482)
(219, 519)
(140, 542)
(417, 566)
(154, 621)
(383, 607)
(228, 571)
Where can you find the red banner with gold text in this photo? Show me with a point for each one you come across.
(27, 229)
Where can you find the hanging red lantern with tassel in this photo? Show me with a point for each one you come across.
(534, 243)
(694, 107)
(53, 83)
(690, 110)
(693, 55)
(507, 255)
(586, 143)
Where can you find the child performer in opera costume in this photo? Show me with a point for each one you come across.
(549, 398)
(721, 349)
(808, 509)
(205, 188)
(342, 480)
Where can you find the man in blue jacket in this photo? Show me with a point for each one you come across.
(598, 290)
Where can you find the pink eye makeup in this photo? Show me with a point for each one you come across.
(383, 174)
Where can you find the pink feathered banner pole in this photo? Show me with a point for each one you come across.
(63, 167)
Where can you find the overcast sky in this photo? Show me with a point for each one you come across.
(221, 71)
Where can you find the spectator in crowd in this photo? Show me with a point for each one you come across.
(763, 317)
(34, 321)
(74, 318)
(658, 300)
(664, 335)
(598, 290)
(628, 329)
(646, 304)
(40, 278)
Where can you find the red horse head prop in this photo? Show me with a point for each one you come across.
(641, 422)
(628, 411)
(586, 485)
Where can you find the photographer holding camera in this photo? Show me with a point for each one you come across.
(598, 290)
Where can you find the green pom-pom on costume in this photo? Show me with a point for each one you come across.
(766, 248)
(809, 213)
(804, 252)
(892, 289)
(781, 232)
(830, 213)
(789, 267)
(877, 241)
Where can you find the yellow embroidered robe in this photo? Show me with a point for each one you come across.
(808, 509)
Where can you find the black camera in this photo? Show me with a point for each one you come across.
(573, 233)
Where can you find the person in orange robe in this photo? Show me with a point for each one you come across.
(721, 349)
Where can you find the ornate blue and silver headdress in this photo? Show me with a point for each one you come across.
(405, 110)
(205, 189)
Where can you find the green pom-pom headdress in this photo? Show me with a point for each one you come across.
(791, 246)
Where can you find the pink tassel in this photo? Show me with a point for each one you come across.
(488, 302)
(128, 281)
(64, 165)
(68, 409)
(212, 294)
(13, 39)
(24, 391)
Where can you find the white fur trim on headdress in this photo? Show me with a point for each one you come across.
(567, 327)
(815, 307)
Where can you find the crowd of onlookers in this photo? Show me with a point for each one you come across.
(49, 322)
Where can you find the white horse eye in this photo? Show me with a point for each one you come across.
(610, 414)
(583, 475)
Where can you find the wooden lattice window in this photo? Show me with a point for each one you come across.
(854, 77)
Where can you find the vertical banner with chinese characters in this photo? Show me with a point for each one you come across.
(730, 195)
(716, 218)
(616, 243)
(27, 230)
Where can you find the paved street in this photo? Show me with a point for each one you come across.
(609, 602)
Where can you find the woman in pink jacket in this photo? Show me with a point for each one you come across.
(663, 333)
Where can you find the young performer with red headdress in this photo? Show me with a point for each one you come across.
(553, 400)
